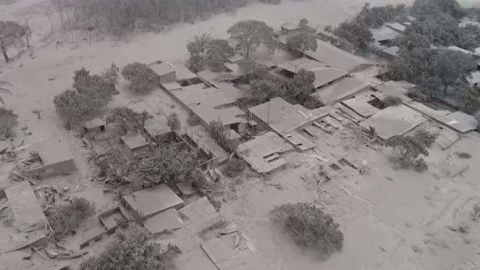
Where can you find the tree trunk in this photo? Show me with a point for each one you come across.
(4, 51)
(248, 51)
(445, 90)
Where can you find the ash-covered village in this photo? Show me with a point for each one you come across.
(232, 134)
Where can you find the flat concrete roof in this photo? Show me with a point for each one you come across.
(200, 94)
(134, 142)
(324, 76)
(392, 121)
(25, 207)
(152, 201)
(361, 106)
(462, 122)
(337, 58)
(163, 68)
(284, 117)
(94, 123)
(396, 26)
(458, 49)
(184, 73)
(340, 90)
(474, 78)
(384, 34)
(54, 151)
(394, 89)
(228, 116)
(263, 152)
(157, 126)
(294, 66)
(168, 220)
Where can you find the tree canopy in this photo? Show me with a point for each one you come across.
(7, 121)
(11, 34)
(250, 34)
(141, 77)
(304, 39)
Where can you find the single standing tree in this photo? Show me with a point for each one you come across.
(197, 48)
(173, 122)
(11, 34)
(7, 121)
(141, 77)
(250, 34)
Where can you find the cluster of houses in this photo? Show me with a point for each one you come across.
(213, 97)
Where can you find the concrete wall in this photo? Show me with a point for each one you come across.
(62, 168)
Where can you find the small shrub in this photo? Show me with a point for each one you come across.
(7, 121)
(193, 120)
(173, 122)
(425, 137)
(309, 227)
(141, 77)
(463, 155)
(132, 249)
(220, 135)
(390, 101)
(66, 218)
(234, 168)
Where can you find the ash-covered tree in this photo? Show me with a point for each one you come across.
(450, 66)
(377, 16)
(75, 107)
(300, 87)
(251, 71)
(142, 79)
(133, 249)
(250, 34)
(309, 227)
(411, 148)
(197, 48)
(220, 134)
(304, 39)
(423, 8)
(471, 99)
(356, 33)
(166, 165)
(173, 122)
(126, 119)
(66, 218)
(11, 34)
(8, 120)
(217, 54)
(84, 82)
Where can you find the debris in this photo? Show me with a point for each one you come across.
(39, 253)
(50, 253)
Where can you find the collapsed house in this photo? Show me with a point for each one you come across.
(50, 158)
(29, 224)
